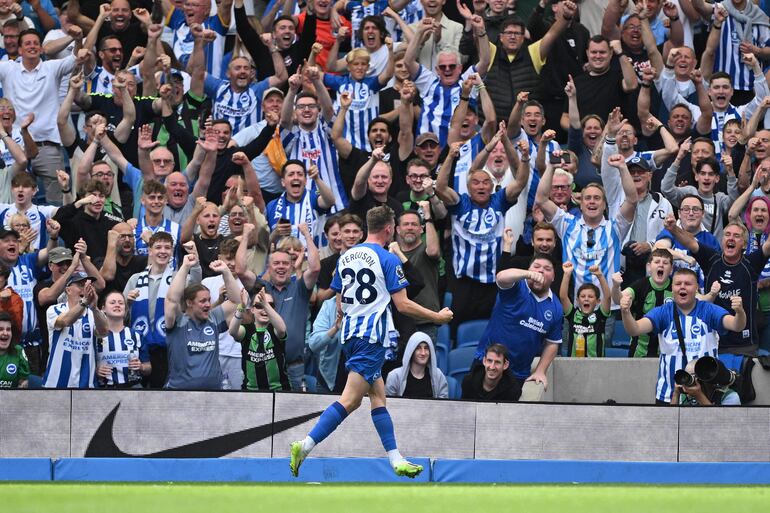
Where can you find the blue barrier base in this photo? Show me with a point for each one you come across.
(25, 469)
(374, 470)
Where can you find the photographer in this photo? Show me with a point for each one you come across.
(694, 390)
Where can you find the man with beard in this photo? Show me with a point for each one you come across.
(737, 274)
(379, 136)
(423, 255)
(236, 99)
(491, 380)
(85, 220)
(110, 53)
(690, 220)
(114, 19)
(371, 186)
(120, 262)
(292, 49)
(298, 204)
(477, 223)
(708, 327)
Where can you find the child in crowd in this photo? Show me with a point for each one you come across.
(264, 340)
(588, 315)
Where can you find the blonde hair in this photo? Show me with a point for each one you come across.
(358, 53)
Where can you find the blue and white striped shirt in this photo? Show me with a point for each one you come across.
(728, 57)
(315, 147)
(306, 210)
(357, 11)
(115, 349)
(37, 215)
(439, 102)
(412, 13)
(468, 152)
(100, 80)
(72, 361)
(363, 109)
(23, 278)
(366, 276)
(702, 328)
(183, 40)
(166, 225)
(585, 246)
(242, 109)
(476, 235)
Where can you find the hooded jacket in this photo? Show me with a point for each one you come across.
(396, 382)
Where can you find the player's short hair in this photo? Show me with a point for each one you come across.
(409, 212)
(348, 218)
(160, 236)
(541, 256)
(94, 185)
(378, 218)
(23, 179)
(228, 248)
(498, 349)
(153, 187)
(292, 162)
(660, 253)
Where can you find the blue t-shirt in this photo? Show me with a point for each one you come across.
(704, 238)
(521, 321)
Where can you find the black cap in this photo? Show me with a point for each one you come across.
(640, 162)
(76, 277)
(5, 232)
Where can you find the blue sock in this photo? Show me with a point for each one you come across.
(384, 425)
(328, 422)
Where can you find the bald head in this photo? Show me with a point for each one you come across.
(125, 238)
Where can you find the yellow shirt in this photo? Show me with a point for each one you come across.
(534, 54)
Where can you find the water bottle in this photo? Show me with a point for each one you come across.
(580, 346)
(303, 385)
(133, 375)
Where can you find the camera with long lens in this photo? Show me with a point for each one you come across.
(707, 370)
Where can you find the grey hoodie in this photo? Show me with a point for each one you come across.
(396, 382)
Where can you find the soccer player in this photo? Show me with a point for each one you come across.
(368, 278)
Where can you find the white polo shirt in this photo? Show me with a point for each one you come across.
(36, 91)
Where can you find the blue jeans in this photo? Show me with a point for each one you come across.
(296, 372)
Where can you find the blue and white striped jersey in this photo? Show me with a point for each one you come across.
(366, 276)
(114, 350)
(306, 210)
(585, 246)
(476, 235)
(357, 11)
(167, 226)
(183, 41)
(702, 328)
(315, 147)
(468, 152)
(72, 360)
(728, 57)
(439, 102)
(363, 109)
(240, 109)
(100, 80)
(37, 215)
(412, 13)
(6, 153)
(23, 278)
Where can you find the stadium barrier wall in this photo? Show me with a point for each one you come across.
(165, 424)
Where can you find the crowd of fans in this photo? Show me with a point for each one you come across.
(181, 178)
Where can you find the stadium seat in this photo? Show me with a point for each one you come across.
(621, 338)
(469, 333)
(444, 337)
(460, 361)
(615, 352)
(442, 357)
(447, 299)
(455, 388)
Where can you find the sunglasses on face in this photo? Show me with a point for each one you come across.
(447, 67)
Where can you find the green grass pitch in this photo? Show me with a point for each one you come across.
(339, 498)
